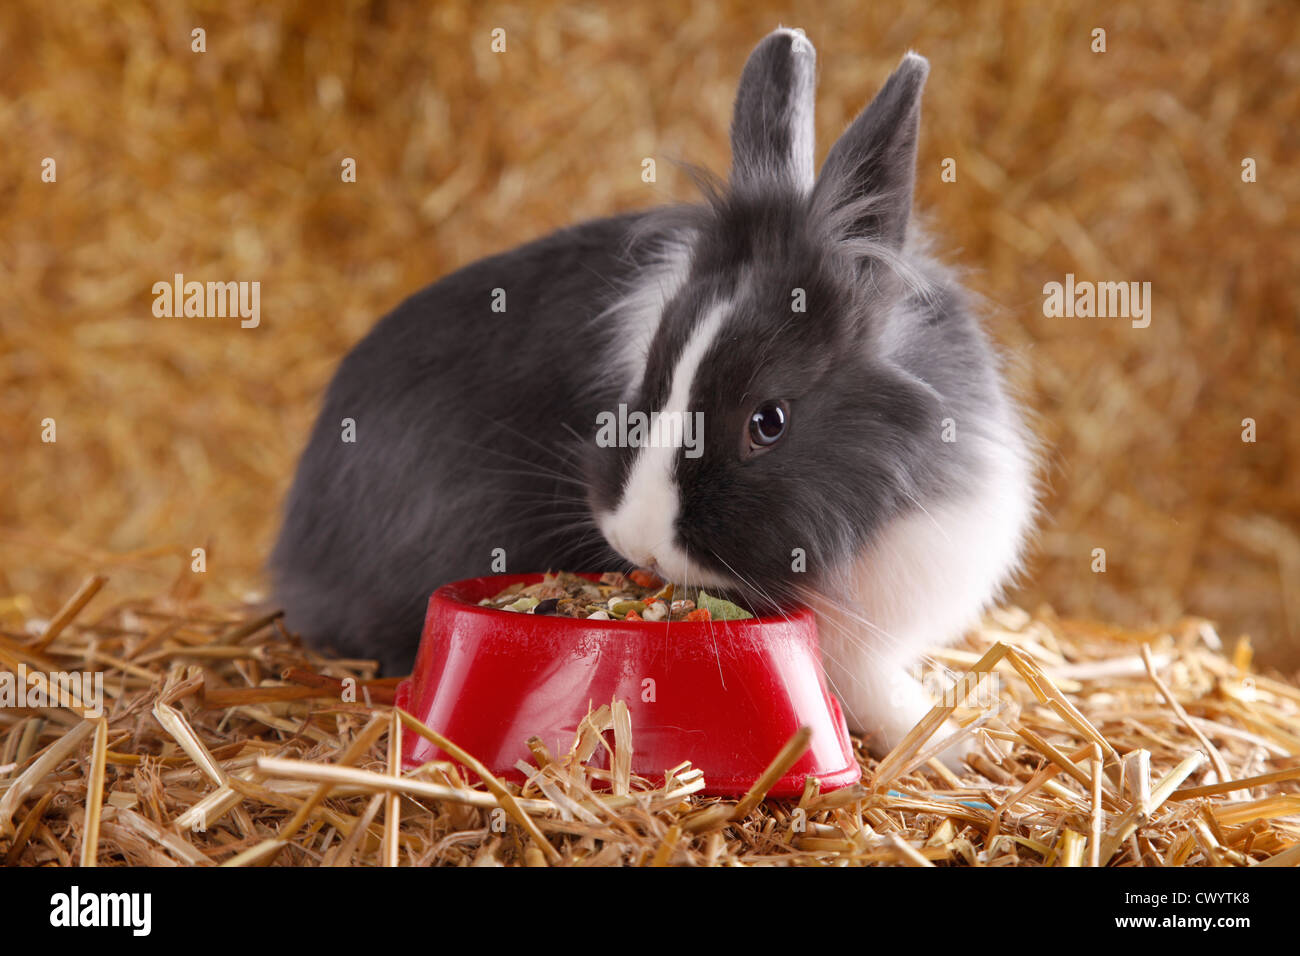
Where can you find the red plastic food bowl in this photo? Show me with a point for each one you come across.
(725, 695)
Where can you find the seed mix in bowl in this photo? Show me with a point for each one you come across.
(636, 596)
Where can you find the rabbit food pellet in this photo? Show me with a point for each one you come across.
(636, 596)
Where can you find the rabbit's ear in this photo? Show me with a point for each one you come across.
(772, 125)
(865, 185)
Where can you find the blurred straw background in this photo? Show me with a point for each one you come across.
(225, 165)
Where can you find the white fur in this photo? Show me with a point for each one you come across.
(641, 528)
(922, 584)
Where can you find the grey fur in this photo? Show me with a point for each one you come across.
(475, 428)
(772, 125)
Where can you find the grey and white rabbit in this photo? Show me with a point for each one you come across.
(859, 453)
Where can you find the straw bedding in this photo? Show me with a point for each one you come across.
(224, 742)
(176, 433)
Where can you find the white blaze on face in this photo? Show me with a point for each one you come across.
(642, 527)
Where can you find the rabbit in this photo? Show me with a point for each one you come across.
(861, 452)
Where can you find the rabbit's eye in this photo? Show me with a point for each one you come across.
(767, 424)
